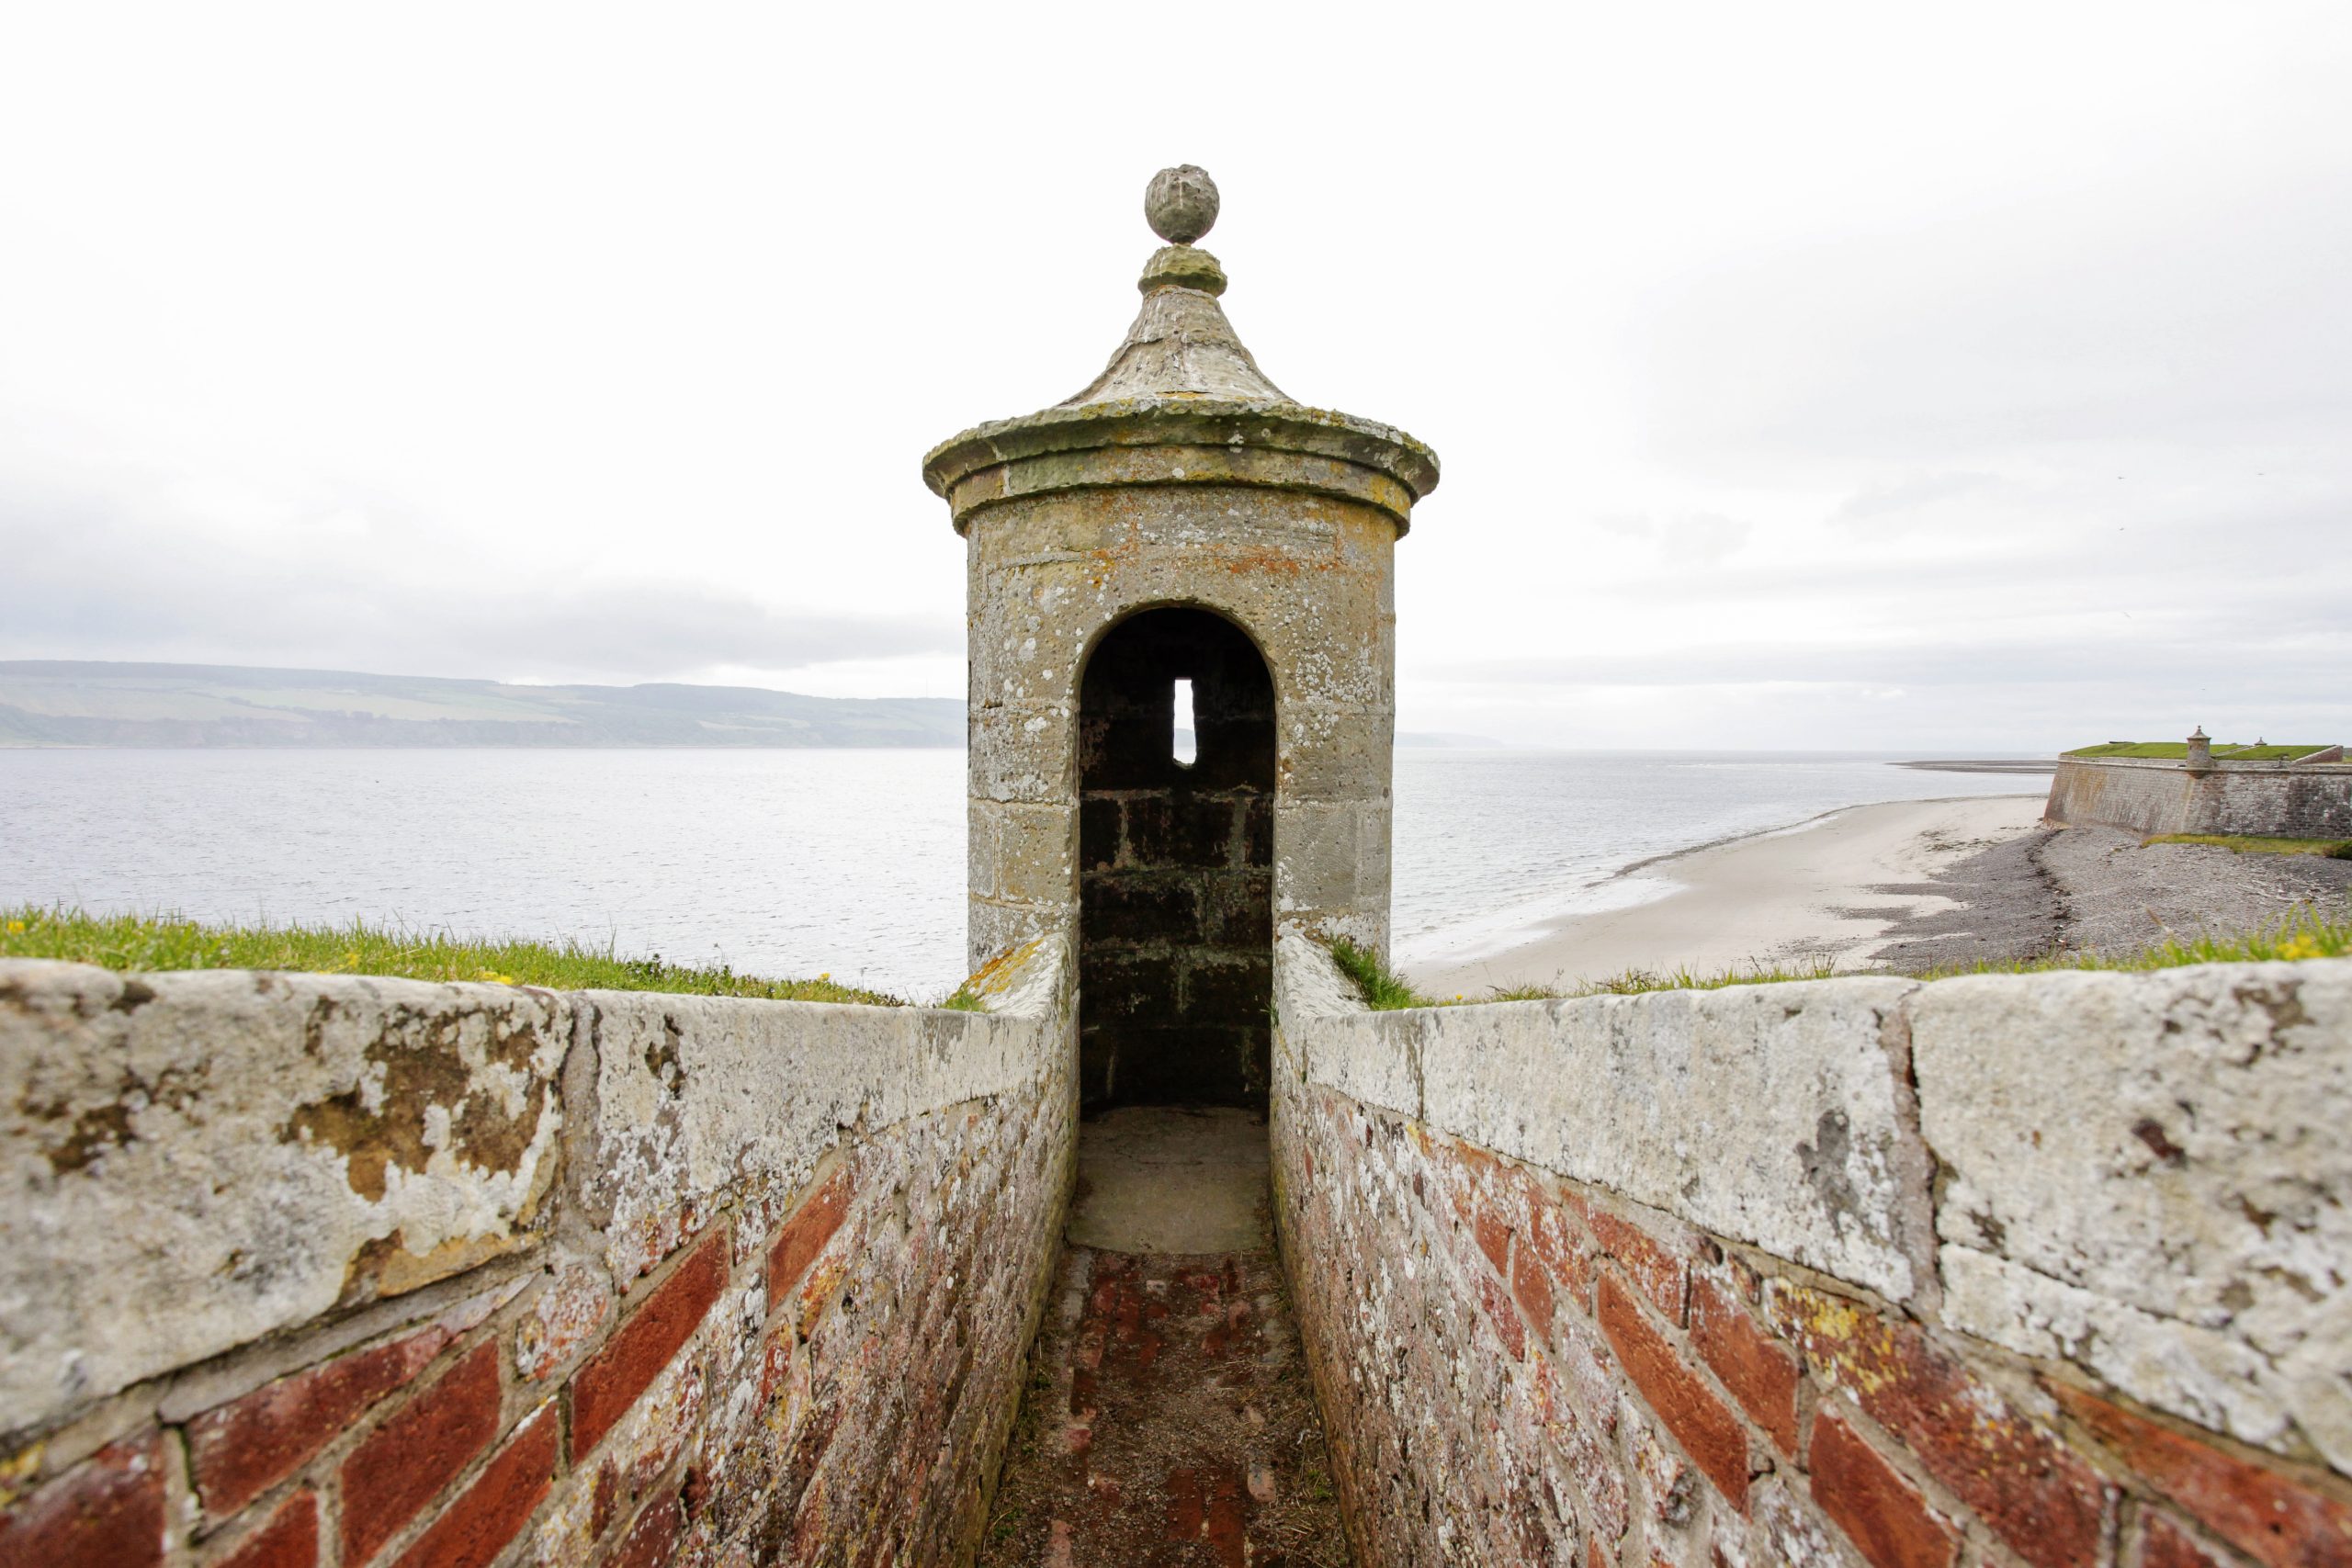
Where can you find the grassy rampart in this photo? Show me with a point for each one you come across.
(2177, 750)
(139, 942)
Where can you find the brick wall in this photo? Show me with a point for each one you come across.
(2259, 799)
(768, 1302)
(2039, 1270)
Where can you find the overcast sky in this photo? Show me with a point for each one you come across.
(1966, 377)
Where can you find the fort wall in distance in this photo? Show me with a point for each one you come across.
(2258, 799)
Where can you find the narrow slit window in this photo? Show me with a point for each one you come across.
(1184, 741)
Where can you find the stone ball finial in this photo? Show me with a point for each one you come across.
(1181, 203)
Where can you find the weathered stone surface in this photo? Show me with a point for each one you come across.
(570, 1306)
(1446, 1173)
(879, 1385)
(2166, 1197)
(2284, 800)
(1768, 1114)
(196, 1160)
(1182, 476)
(1050, 575)
(692, 1105)
(1181, 203)
(2202, 1373)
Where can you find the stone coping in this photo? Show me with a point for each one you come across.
(2143, 1171)
(1410, 466)
(196, 1159)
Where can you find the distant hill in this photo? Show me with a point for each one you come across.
(1446, 740)
(89, 703)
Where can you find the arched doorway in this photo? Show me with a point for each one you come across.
(1176, 857)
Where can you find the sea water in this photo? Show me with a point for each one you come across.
(798, 862)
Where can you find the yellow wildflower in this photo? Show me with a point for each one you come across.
(2302, 947)
(16, 928)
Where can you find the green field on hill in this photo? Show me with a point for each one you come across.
(2177, 750)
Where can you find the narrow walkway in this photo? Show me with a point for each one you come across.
(1168, 1420)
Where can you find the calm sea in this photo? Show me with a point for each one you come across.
(799, 863)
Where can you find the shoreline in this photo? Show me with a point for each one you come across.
(1835, 886)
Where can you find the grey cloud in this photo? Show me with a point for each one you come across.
(1700, 538)
(2301, 663)
(1913, 494)
(85, 581)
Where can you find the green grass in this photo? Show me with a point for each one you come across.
(138, 942)
(2302, 933)
(2335, 849)
(1382, 989)
(2177, 750)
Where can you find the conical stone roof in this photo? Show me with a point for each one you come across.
(1182, 378)
(1182, 345)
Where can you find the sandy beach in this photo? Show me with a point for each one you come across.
(1835, 887)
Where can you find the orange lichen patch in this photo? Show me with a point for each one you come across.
(418, 1067)
(817, 1290)
(1849, 1343)
(387, 1268)
(17, 1471)
(2049, 1505)
(994, 976)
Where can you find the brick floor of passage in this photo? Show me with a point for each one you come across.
(1168, 1421)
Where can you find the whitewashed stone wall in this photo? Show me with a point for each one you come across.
(2043, 1269)
(438, 1272)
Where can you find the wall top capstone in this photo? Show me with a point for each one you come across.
(1182, 378)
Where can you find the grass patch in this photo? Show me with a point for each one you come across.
(2303, 933)
(1385, 991)
(140, 943)
(2177, 750)
(2335, 849)
(1382, 989)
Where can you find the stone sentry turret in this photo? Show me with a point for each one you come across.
(1179, 530)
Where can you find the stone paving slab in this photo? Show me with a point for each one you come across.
(1159, 1178)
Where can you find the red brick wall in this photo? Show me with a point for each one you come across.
(836, 1380)
(818, 1367)
(1517, 1367)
